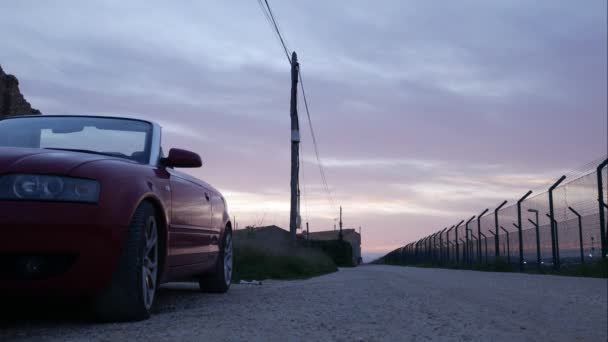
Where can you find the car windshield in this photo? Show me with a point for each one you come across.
(124, 138)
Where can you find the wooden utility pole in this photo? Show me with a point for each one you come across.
(295, 149)
(340, 234)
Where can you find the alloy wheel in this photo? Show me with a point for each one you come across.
(150, 264)
(228, 253)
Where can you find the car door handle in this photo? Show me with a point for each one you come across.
(207, 196)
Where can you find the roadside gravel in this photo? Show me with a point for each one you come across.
(368, 303)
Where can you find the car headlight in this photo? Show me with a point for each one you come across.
(49, 188)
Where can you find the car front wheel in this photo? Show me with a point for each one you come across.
(131, 292)
(220, 279)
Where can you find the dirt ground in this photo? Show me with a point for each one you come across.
(368, 303)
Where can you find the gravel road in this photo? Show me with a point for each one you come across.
(369, 303)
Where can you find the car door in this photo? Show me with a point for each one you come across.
(190, 231)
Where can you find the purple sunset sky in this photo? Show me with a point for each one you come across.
(425, 112)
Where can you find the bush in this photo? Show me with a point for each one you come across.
(257, 262)
(341, 252)
(597, 269)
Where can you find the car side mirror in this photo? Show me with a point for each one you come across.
(182, 158)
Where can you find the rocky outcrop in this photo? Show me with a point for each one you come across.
(12, 102)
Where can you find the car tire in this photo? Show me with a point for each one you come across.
(219, 280)
(130, 295)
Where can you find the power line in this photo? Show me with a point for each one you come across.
(276, 26)
(303, 182)
(270, 17)
(268, 20)
(270, 23)
(267, 10)
(315, 145)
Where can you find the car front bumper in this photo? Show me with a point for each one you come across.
(48, 247)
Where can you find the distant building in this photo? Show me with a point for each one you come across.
(268, 236)
(274, 237)
(349, 235)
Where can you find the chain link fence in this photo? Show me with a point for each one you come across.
(565, 225)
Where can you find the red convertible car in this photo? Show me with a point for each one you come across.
(93, 206)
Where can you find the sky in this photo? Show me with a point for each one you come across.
(425, 112)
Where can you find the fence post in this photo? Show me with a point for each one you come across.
(479, 233)
(434, 257)
(473, 246)
(554, 233)
(485, 240)
(521, 252)
(411, 252)
(466, 231)
(440, 248)
(441, 252)
(519, 233)
(496, 238)
(423, 250)
(537, 227)
(463, 249)
(457, 250)
(554, 223)
(450, 243)
(447, 236)
(494, 234)
(603, 206)
(508, 247)
(430, 249)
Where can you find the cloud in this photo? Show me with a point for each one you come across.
(376, 162)
(182, 130)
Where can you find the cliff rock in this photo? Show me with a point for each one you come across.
(12, 102)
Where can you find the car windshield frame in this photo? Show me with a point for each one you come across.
(152, 135)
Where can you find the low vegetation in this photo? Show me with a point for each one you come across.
(259, 261)
(341, 252)
(594, 270)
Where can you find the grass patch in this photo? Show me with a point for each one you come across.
(258, 262)
(594, 270)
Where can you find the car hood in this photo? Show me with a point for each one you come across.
(31, 160)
